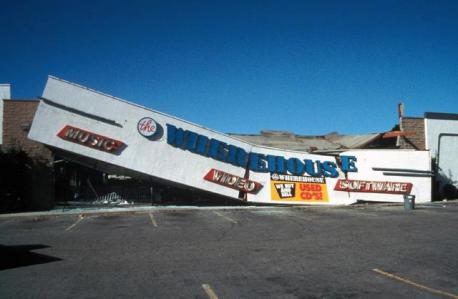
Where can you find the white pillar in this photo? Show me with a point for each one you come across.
(5, 93)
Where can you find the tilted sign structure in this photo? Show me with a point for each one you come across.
(93, 125)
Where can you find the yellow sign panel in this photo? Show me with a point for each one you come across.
(298, 188)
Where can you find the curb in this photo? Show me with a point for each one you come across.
(146, 209)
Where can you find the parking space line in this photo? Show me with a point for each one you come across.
(225, 217)
(153, 221)
(211, 294)
(420, 286)
(81, 217)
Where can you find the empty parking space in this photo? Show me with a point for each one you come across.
(229, 253)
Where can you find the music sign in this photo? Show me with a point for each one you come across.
(93, 140)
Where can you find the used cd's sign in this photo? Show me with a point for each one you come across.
(298, 188)
(90, 139)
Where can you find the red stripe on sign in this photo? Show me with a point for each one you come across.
(90, 139)
(232, 181)
(373, 187)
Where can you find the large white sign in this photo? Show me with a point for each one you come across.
(95, 125)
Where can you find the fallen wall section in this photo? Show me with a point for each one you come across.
(98, 126)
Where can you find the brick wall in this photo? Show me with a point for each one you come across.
(416, 125)
(17, 119)
(37, 178)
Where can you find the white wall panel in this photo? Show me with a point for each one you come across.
(68, 104)
(435, 127)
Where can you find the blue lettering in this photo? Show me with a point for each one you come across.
(241, 157)
(175, 136)
(237, 156)
(348, 163)
(231, 154)
(217, 150)
(329, 169)
(310, 168)
(191, 139)
(295, 166)
(276, 164)
(213, 148)
(221, 153)
(202, 145)
(258, 162)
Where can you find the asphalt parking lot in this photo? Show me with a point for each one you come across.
(285, 252)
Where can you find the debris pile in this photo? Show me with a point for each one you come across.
(112, 198)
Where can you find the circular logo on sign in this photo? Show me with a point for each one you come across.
(275, 177)
(147, 126)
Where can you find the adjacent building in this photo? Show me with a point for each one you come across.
(27, 178)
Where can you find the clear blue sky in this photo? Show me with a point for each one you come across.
(242, 66)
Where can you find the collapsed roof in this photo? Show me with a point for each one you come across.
(332, 142)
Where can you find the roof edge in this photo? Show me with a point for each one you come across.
(440, 115)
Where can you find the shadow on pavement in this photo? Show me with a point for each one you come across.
(21, 256)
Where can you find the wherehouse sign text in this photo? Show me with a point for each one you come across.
(221, 151)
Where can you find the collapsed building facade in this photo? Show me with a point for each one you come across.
(100, 142)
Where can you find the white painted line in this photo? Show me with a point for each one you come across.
(153, 221)
(80, 218)
(225, 217)
(117, 210)
(420, 286)
(210, 293)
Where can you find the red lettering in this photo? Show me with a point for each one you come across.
(310, 187)
(71, 133)
(89, 139)
(373, 186)
(306, 195)
(83, 137)
(232, 181)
